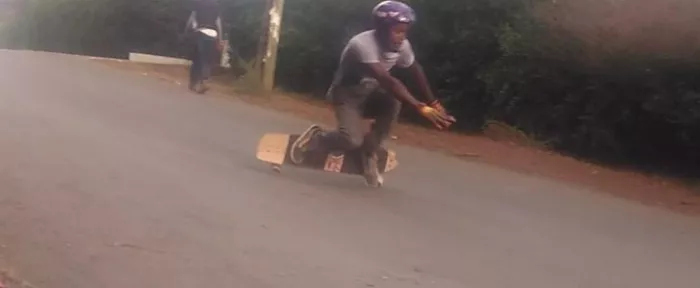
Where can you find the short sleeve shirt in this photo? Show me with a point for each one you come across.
(365, 49)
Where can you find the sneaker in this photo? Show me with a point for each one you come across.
(203, 88)
(372, 176)
(304, 143)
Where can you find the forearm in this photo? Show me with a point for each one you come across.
(399, 90)
(219, 28)
(190, 22)
(390, 83)
(422, 81)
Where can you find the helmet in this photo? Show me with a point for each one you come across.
(388, 13)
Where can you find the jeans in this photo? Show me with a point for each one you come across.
(353, 104)
(202, 59)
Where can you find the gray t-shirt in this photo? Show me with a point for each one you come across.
(364, 48)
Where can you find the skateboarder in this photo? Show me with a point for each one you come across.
(363, 87)
(204, 29)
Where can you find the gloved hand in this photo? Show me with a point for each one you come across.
(436, 104)
(437, 116)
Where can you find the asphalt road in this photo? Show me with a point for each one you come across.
(110, 179)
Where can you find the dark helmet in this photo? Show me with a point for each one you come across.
(388, 13)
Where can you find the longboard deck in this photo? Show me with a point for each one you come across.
(274, 148)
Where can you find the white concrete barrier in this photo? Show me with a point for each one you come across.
(155, 59)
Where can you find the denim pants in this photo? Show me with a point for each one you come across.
(202, 58)
(353, 104)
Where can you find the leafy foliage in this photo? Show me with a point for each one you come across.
(487, 60)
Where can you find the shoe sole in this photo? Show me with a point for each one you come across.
(380, 182)
(303, 139)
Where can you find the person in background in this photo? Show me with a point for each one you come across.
(205, 34)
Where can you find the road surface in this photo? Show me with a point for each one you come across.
(110, 179)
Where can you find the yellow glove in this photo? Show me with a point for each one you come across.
(436, 104)
(439, 118)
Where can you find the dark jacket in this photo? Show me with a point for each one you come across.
(205, 14)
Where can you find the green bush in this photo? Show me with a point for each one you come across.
(99, 27)
(632, 108)
(486, 59)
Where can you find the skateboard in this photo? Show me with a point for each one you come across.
(274, 149)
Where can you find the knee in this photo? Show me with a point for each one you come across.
(394, 107)
(352, 141)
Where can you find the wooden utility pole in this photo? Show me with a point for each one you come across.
(267, 48)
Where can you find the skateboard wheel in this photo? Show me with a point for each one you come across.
(277, 168)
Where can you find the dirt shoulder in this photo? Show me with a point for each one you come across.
(635, 186)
